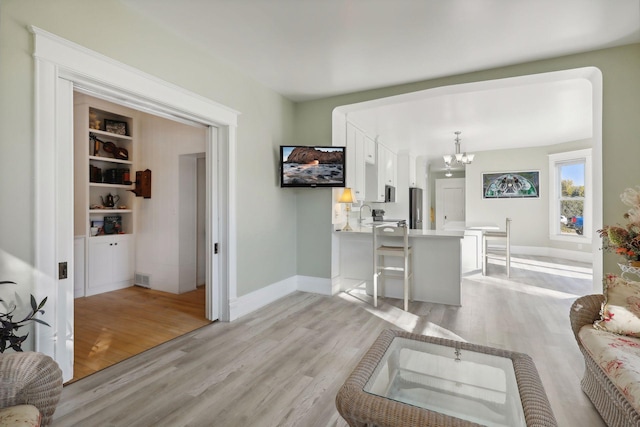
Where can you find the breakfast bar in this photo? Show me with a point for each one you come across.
(436, 263)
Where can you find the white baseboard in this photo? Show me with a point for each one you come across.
(553, 252)
(550, 252)
(108, 288)
(314, 285)
(252, 301)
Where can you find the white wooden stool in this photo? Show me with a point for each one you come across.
(487, 235)
(381, 250)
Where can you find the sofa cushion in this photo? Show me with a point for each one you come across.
(20, 416)
(621, 309)
(619, 358)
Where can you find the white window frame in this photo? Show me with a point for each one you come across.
(555, 192)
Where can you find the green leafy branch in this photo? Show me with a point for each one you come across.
(9, 337)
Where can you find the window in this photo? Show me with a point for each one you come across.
(570, 196)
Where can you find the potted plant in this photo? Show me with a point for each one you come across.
(625, 240)
(10, 338)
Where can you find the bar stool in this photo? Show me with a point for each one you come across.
(497, 235)
(381, 250)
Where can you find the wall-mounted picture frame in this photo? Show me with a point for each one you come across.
(114, 126)
(511, 185)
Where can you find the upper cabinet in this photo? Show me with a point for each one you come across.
(356, 161)
(413, 182)
(388, 165)
(369, 150)
(370, 166)
(381, 174)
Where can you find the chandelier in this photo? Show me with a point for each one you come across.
(457, 158)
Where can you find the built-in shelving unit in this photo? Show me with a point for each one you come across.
(104, 158)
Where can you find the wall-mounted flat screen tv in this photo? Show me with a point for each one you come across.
(302, 166)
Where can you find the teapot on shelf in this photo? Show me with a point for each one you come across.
(109, 201)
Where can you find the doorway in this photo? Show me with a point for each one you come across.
(62, 66)
(450, 202)
(158, 256)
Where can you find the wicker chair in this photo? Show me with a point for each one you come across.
(613, 407)
(30, 378)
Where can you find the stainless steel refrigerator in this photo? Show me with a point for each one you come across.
(415, 208)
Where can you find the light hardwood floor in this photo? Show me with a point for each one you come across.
(114, 326)
(282, 365)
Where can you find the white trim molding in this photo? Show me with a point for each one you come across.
(255, 300)
(62, 67)
(553, 252)
(315, 285)
(241, 306)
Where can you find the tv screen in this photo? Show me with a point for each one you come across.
(302, 166)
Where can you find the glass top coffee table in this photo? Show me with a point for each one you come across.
(408, 379)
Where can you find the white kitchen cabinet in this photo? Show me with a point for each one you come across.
(389, 165)
(111, 263)
(369, 150)
(383, 173)
(392, 169)
(356, 161)
(381, 177)
(413, 182)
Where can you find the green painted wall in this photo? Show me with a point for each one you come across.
(266, 214)
(280, 233)
(621, 129)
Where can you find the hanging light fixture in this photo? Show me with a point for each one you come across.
(457, 158)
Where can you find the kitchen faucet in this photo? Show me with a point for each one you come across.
(360, 213)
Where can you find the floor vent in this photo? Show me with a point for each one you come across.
(143, 280)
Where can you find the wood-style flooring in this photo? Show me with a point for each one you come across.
(114, 326)
(283, 364)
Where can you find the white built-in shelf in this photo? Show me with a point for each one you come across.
(109, 211)
(105, 185)
(110, 160)
(110, 134)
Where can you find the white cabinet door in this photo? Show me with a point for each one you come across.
(382, 168)
(111, 263)
(122, 259)
(351, 158)
(100, 262)
(388, 165)
(369, 150)
(355, 161)
(359, 186)
(412, 172)
(392, 167)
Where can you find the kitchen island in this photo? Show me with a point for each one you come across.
(436, 263)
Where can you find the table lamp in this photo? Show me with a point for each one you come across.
(347, 198)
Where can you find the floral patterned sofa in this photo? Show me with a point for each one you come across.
(608, 334)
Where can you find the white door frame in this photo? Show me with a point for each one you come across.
(61, 65)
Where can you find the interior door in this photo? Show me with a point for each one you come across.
(450, 202)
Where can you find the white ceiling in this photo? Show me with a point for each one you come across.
(307, 49)
(528, 111)
(318, 48)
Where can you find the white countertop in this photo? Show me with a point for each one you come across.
(367, 228)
